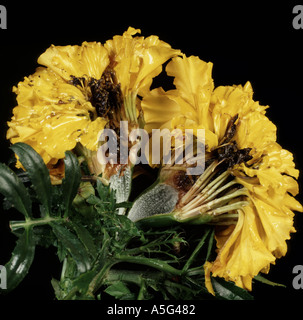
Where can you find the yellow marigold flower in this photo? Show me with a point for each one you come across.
(248, 186)
(81, 89)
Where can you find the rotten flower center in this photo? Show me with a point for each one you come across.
(105, 96)
(216, 192)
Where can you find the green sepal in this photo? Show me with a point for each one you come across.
(157, 221)
(155, 208)
(171, 219)
(121, 183)
(159, 198)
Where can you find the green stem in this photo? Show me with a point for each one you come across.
(98, 280)
(195, 252)
(124, 275)
(28, 223)
(211, 195)
(132, 276)
(71, 294)
(142, 290)
(197, 271)
(154, 263)
(181, 287)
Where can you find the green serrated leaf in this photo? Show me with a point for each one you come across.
(14, 191)
(86, 239)
(74, 246)
(37, 172)
(71, 181)
(21, 260)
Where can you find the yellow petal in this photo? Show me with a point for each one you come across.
(276, 225)
(94, 59)
(281, 159)
(137, 59)
(61, 134)
(90, 135)
(24, 132)
(158, 110)
(89, 59)
(244, 254)
(194, 84)
(254, 129)
(183, 123)
(207, 267)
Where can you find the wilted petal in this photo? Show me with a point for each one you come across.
(243, 254)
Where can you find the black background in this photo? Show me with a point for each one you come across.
(246, 42)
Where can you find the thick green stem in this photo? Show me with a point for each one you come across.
(28, 223)
(159, 265)
(124, 275)
(99, 279)
(142, 290)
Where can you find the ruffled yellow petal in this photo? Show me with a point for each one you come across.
(254, 129)
(183, 123)
(187, 107)
(137, 59)
(158, 109)
(61, 133)
(47, 89)
(38, 88)
(89, 59)
(50, 116)
(244, 253)
(90, 135)
(277, 225)
(194, 84)
(281, 159)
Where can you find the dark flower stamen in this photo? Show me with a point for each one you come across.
(104, 94)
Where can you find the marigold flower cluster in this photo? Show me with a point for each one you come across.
(249, 183)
